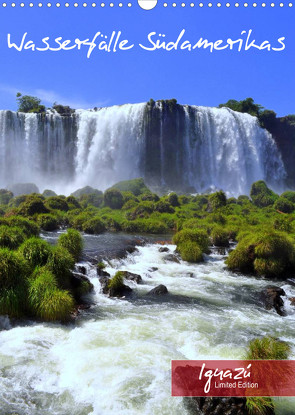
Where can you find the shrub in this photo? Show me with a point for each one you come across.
(259, 406)
(266, 253)
(283, 224)
(73, 242)
(60, 262)
(73, 202)
(173, 199)
(13, 269)
(190, 251)
(17, 201)
(192, 235)
(93, 199)
(142, 210)
(290, 195)
(47, 222)
(216, 200)
(152, 197)
(47, 301)
(5, 196)
(32, 205)
(219, 236)
(261, 195)
(113, 198)
(48, 193)
(35, 251)
(164, 207)
(267, 348)
(11, 237)
(13, 301)
(56, 203)
(87, 190)
(94, 226)
(284, 205)
(135, 186)
(130, 204)
(29, 227)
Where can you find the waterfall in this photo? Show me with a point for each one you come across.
(184, 148)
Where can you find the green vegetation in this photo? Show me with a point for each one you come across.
(27, 103)
(135, 186)
(116, 284)
(261, 195)
(73, 242)
(262, 224)
(267, 253)
(265, 348)
(36, 279)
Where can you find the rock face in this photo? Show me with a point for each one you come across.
(216, 406)
(23, 188)
(171, 258)
(119, 291)
(153, 269)
(104, 280)
(163, 249)
(132, 277)
(159, 290)
(80, 284)
(219, 406)
(271, 297)
(102, 273)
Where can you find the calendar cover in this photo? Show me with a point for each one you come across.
(147, 207)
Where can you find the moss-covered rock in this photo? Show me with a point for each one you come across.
(266, 253)
(56, 203)
(284, 205)
(94, 226)
(135, 186)
(113, 198)
(219, 236)
(261, 195)
(47, 222)
(48, 193)
(5, 196)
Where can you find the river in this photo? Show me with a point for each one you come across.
(115, 359)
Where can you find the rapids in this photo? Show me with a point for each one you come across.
(115, 360)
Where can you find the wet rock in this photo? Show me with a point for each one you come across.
(153, 269)
(102, 273)
(217, 406)
(132, 277)
(163, 249)
(80, 284)
(292, 300)
(121, 291)
(172, 258)
(190, 275)
(118, 291)
(271, 297)
(82, 269)
(104, 281)
(159, 290)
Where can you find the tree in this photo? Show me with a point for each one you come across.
(27, 103)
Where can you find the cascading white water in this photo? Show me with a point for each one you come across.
(117, 358)
(109, 145)
(33, 149)
(229, 150)
(200, 147)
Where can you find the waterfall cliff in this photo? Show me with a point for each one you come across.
(178, 147)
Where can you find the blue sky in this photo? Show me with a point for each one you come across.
(198, 77)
